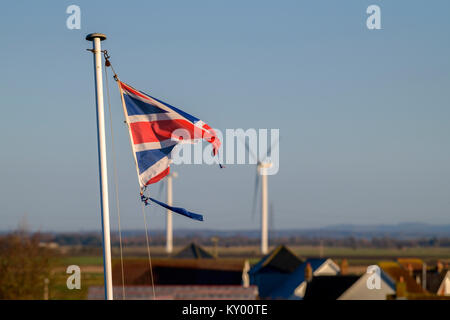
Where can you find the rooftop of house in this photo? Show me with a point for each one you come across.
(136, 271)
(434, 280)
(174, 292)
(329, 287)
(193, 251)
(394, 270)
(414, 263)
(286, 288)
(281, 259)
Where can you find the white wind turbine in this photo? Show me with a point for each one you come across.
(169, 226)
(262, 167)
(169, 197)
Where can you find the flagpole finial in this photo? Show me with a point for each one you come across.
(92, 36)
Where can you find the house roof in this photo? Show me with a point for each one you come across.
(180, 271)
(185, 292)
(395, 271)
(415, 263)
(317, 262)
(193, 251)
(286, 288)
(328, 287)
(434, 280)
(281, 259)
(388, 280)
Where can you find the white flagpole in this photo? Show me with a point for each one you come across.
(96, 38)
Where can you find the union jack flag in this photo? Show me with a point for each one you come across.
(155, 128)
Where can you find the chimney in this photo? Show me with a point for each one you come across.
(308, 272)
(424, 276)
(215, 241)
(344, 266)
(401, 289)
(410, 269)
(439, 267)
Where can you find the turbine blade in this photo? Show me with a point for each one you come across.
(255, 195)
(269, 151)
(252, 154)
(271, 218)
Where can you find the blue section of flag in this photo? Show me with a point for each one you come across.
(184, 114)
(147, 158)
(178, 210)
(138, 107)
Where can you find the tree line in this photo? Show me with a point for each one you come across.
(94, 240)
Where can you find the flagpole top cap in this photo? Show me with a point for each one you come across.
(92, 36)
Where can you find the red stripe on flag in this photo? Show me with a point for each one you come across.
(158, 177)
(211, 136)
(156, 131)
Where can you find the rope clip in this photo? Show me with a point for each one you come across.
(106, 56)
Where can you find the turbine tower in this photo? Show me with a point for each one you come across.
(169, 227)
(261, 170)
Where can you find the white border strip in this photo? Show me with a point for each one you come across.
(154, 145)
(154, 170)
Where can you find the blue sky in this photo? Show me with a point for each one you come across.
(363, 115)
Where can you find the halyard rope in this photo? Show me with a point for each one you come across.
(116, 184)
(148, 250)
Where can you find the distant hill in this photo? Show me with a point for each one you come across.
(401, 230)
(398, 231)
